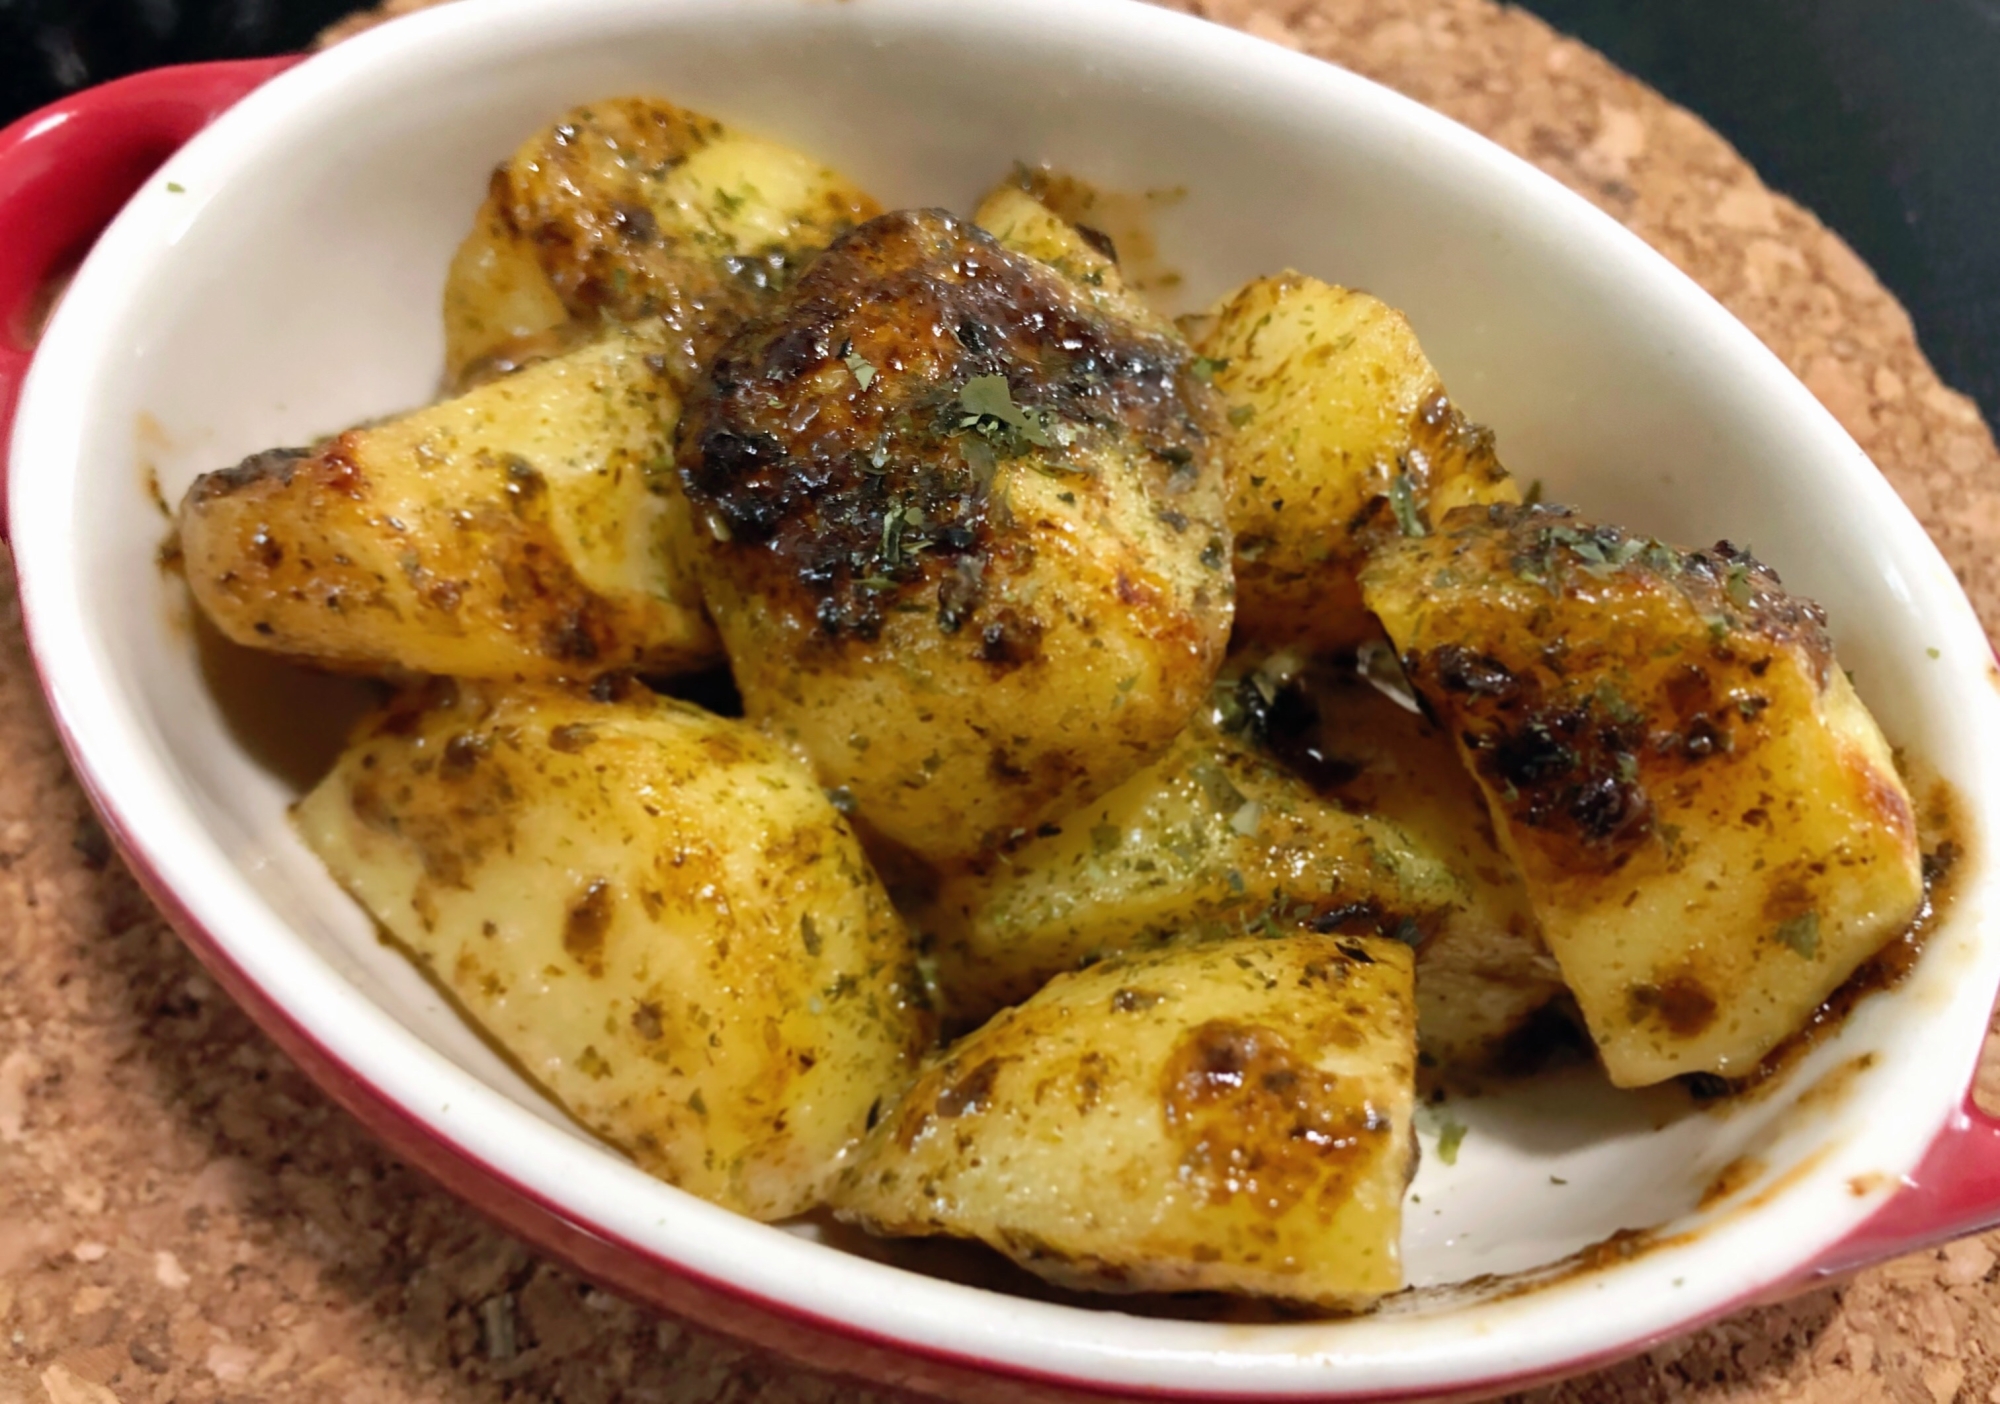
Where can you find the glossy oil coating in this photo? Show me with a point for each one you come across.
(942, 495)
(1710, 825)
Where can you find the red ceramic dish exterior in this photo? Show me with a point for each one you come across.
(67, 169)
(64, 172)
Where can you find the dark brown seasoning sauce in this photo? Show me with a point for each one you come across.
(1613, 1250)
(1255, 1121)
(1941, 821)
(844, 446)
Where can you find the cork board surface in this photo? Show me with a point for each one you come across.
(184, 1217)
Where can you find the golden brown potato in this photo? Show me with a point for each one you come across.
(1710, 826)
(532, 528)
(1227, 1116)
(632, 209)
(500, 309)
(653, 910)
(1213, 837)
(1483, 971)
(1339, 432)
(1012, 215)
(963, 533)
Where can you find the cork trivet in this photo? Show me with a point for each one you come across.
(183, 1217)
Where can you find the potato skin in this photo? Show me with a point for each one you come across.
(1710, 825)
(531, 528)
(962, 533)
(653, 910)
(1224, 1116)
(1339, 430)
(1214, 838)
(1483, 971)
(634, 210)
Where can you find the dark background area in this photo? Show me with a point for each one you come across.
(1882, 116)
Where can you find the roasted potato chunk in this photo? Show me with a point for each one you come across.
(1710, 825)
(632, 209)
(1214, 837)
(500, 309)
(963, 533)
(1339, 431)
(1021, 222)
(1483, 970)
(532, 528)
(654, 910)
(1226, 1116)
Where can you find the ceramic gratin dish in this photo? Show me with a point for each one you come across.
(279, 278)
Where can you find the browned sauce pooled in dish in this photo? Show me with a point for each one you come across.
(877, 721)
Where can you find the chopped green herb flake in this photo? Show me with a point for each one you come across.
(980, 458)
(1800, 933)
(1206, 367)
(696, 1104)
(1104, 838)
(864, 372)
(1451, 1135)
(1218, 786)
(1533, 496)
(1933, 653)
(841, 798)
(1737, 586)
(892, 532)
(1613, 703)
(1403, 502)
(987, 397)
(809, 934)
(1240, 415)
(174, 187)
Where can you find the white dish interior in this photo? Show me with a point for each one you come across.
(293, 288)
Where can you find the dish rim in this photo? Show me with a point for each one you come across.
(132, 787)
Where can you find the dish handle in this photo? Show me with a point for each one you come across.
(68, 168)
(1953, 1192)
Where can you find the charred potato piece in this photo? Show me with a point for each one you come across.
(962, 532)
(653, 910)
(1222, 1116)
(1339, 432)
(1710, 825)
(1214, 837)
(531, 528)
(633, 209)
(1484, 974)
(1021, 222)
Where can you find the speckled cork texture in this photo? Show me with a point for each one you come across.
(183, 1217)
